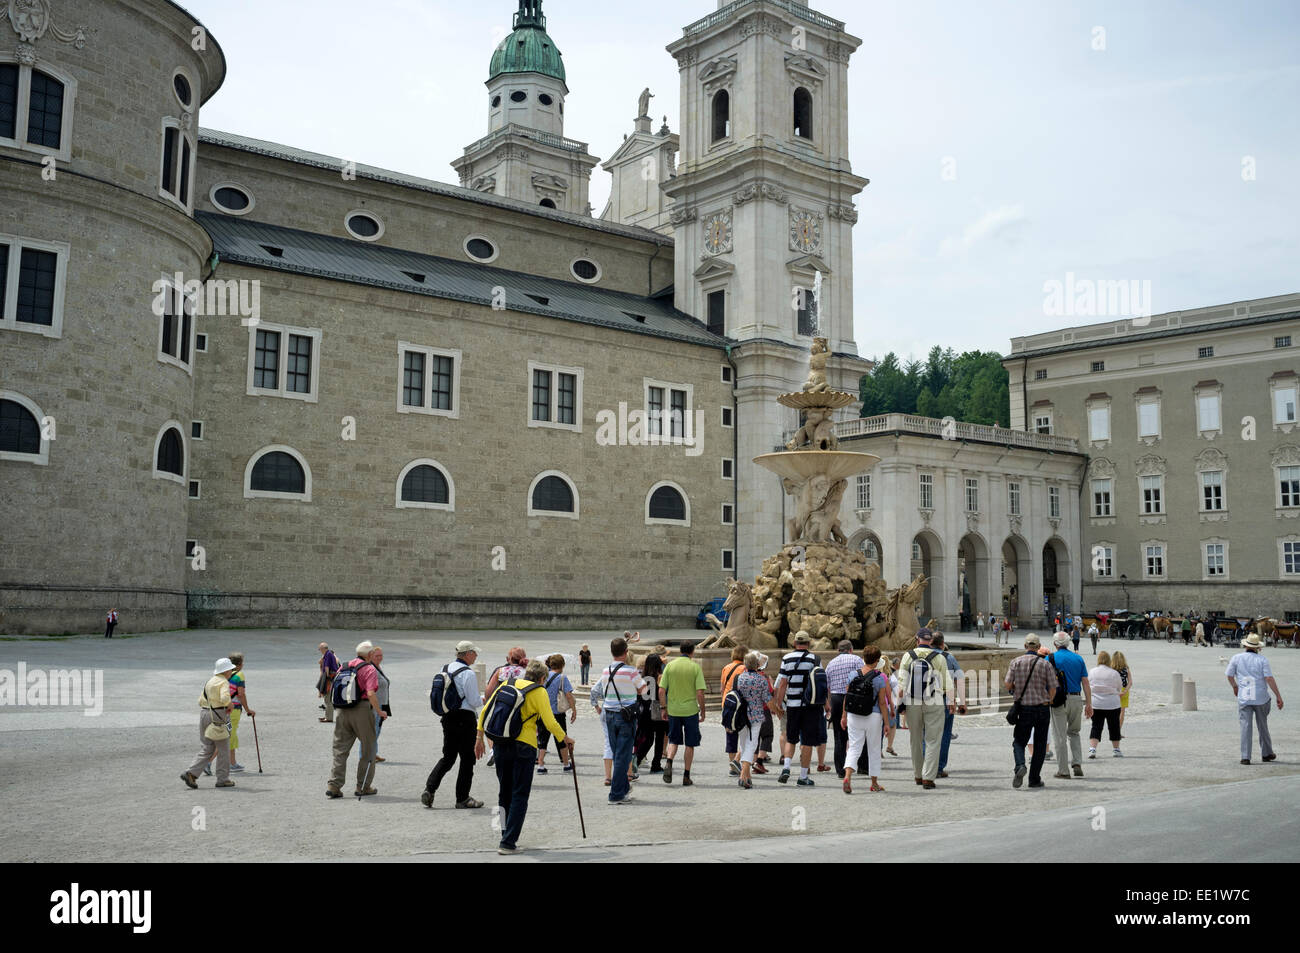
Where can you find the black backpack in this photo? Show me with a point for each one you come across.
(1061, 693)
(344, 691)
(444, 696)
(505, 718)
(860, 697)
(815, 687)
(735, 711)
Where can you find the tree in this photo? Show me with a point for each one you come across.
(972, 387)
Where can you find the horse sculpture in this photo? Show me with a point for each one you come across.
(738, 630)
(896, 631)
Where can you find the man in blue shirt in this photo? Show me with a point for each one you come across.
(1067, 720)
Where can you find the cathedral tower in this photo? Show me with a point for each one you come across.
(763, 200)
(525, 155)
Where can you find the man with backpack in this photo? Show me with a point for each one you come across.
(949, 718)
(801, 691)
(454, 696)
(510, 719)
(681, 694)
(1071, 705)
(356, 702)
(927, 686)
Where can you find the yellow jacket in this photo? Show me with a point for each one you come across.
(536, 705)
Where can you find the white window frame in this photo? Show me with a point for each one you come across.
(1108, 560)
(1109, 503)
(201, 426)
(1217, 397)
(183, 477)
(9, 306)
(187, 304)
(600, 271)
(198, 489)
(282, 365)
(728, 424)
(212, 197)
(347, 225)
(971, 498)
(200, 342)
(1141, 402)
(1163, 556)
(862, 490)
(1013, 498)
(925, 481)
(725, 560)
(41, 458)
(24, 105)
(1160, 488)
(1280, 386)
(1042, 417)
(555, 369)
(171, 122)
(1201, 485)
(663, 522)
(1277, 482)
(723, 468)
(1102, 408)
(1281, 557)
(688, 419)
(449, 506)
(725, 521)
(429, 353)
(251, 494)
(573, 487)
(1054, 502)
(1206, 575)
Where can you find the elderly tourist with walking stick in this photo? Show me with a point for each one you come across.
(214, 729)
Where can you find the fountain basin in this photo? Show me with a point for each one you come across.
(801, 465)
(825, 400)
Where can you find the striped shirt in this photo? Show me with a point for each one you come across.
(796, 667)
(840, 671)
(623, 684)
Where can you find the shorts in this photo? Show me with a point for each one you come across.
(733, 738)
(688, 725)
(805, 725)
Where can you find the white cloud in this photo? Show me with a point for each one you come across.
(996, 223)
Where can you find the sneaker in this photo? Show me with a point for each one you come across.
(1269, 757)
(1019, 778)
(469, 802)
(1092, 754)
(654, 770)
(426, 798)
(953, 737)
(365, 792)
(634, 777)
(236, 767)
(1037, 784)
(207, 769)
(734, 768)
(668, 772)
(805, 782)
(225, 784)
(1115, 752)
(569, 766)
(1058, 774)
(189, 779)
(686, 781)
(507, 851)
(541, 769)
(1243, 761)
(492, 759)
(333, 792)
(626, 799)
(1078, 770)
(785, 776)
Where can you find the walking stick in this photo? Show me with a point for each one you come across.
(581, 820)
(257, 745)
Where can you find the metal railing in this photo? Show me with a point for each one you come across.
(514, 129)
(934, 427)
(794, 9)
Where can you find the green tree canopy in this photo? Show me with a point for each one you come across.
(971, 387)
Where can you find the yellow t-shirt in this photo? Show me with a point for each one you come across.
(536, 705)
(216, 693)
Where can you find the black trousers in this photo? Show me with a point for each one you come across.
(652, 734)
(766, 732)
(108, 629)
(459, 728)
(1109, 718)
(1035, 719)
(842, 738)
(544, 735)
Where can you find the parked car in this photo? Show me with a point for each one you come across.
(714, 606)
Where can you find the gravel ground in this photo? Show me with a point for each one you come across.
(106, 787)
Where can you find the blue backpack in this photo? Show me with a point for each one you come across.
(505, 718)
(444, 696)
(735, 711)
(346, 693)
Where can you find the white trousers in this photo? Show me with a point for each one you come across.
(749, 742)
(865, 728)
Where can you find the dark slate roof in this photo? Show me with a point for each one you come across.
(1181, 331)
(239, 241)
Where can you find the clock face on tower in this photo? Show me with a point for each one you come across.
(717, 233)
(805, 230)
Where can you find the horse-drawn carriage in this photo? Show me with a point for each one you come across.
(1227, 630)
(1288, 632)
(1129, 625)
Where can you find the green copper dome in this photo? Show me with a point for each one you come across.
(529, 49)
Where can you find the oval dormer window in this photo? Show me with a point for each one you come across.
(480, 249)
(518, 96)
(585, 270)
(364, 226)
(545, 100)
(231, 199)
(184, 92)
(496, 101)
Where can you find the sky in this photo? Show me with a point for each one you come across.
(1009, 143)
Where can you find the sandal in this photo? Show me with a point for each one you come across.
(759, 769)
(876, 787)
(823, 767)
(892, 751)
(608, 782)
(848, 788)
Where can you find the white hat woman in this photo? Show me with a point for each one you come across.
(214, 726)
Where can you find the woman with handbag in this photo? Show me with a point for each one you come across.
(655, 724)
(214, 728)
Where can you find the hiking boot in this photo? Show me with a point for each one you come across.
(927, 785)
(225, 784)
(1058, 774)
(1245, 761)
(1269, 757)
(668, 772)
(426, 798)
(332, 792)
(785, 776)
(805, 782)
(190, 780)
(469, 802)
(365, 792)
(1078, 770)
(1019, 778)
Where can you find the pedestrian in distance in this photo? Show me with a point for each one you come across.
(1106, 687)
(455, 699)
(512, 714)
(1067, 717)
(356, 699)
(110, 623)
(839, 672)
(955, 704)
(928, 692)
(729, 674)
(756, 692)
(979, 624)
(214, 726)
(584, 664)
(681, 694)
(1075, 634)
(1120, 664)
(1094, 633)
(865, 703)
(621, 696)
(1031, 680)
(329, 666)
(1251, 677)
(1200, 633)
(377, 658)
(653, 730)
(805, 714)
(559, 691)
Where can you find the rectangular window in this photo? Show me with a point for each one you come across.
(668, 409)
(727, 417)
(1098, 366)
(190, 544)
(728, 560)
(31, 285)
(805, 321)
(1099, 423)
(413, 379)
(37, 277)
(556, 396)
(677, 412)
(8, 101)
(1101, 498)
(864, 491)
(1043, 423)
(566, 405)
(1040, 374)
(1284, 405)
(1152, 490)
(442, 384)
(655, 411)
(4, 278)
(1214, 559)
(194, 489)
(718, 312)
(1103, 562)
(1205, 352)
(1013, 499)
(427, 380)
(972, 495)
(171, 138)
(728, 468)
(926, 485)
(45, 115)
(1155, 561)
(728, 514)
(177, 327)
(186, 152)
(284, 362)
(196, 430)
(1207, 412)
(201, 343)
(726, 373)
(1289, 477)
(1283, 341)
(1054, 502)
(177, 164)
(1291, 558)
(1149, 418)
(541, 395)
(1212, 491)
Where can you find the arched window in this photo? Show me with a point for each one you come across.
(547, 203)
(666, 503)
(721, 115)
(424, 484)
(169, 454)
(36, 107)
(278, 473)
(803, 113)
(552, 494)
(20, 430)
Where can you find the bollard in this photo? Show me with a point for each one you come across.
(1189, 696)
(1176, 698)
(480, 672)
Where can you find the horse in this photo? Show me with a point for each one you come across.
(738, 630)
